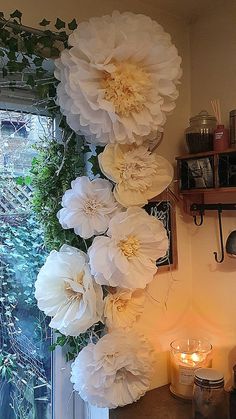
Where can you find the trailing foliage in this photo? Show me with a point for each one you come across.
(52, 172)
(24, 56)
(23, 252)
(7, 365)
(74, 344)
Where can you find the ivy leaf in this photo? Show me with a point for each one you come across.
(72, 25)
(95, 166)
(1, 15)
(25, 61)
(12, 85)
(28, 180)
(38, 61)
(52, 347)
(20, 180)
(2, 53)
(13, 44)
(4, 72)
(70, 356)
(16, 14)
(30, 81)
(45, 22)
(11, 55)
(63, 35)
(59, 24)
(29, 45)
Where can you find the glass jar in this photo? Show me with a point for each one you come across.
(187, 355)
(210, 400)
(200, 133)
(232, 124)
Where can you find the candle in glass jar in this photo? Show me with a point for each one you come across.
(187, 355)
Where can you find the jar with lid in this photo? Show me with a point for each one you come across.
(210, 400)
(200, 133)
(232, 124)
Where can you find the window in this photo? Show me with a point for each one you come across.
(25, 337)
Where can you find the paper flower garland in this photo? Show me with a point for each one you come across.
(118, 80)
(66, 292)
(114, 372)
(139, 174)
(88, 206)
(123, 307)
(127, 256)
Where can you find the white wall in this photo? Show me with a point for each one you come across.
(213, 75)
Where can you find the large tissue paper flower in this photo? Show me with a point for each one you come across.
(114, 372)
(139, 174)
(88, 206)
(118, 80)
(127, 257)
(66, 291)
(123, 307)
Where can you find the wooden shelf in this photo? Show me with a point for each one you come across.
(186, 176)
(205, 154)
(207, 191)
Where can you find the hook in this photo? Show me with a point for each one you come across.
(221, 240)
(195, 219)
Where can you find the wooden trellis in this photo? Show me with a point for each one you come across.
(14, 198)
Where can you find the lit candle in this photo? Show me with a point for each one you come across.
(187, 355)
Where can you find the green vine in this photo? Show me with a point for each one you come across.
(74, 344)
(52, 172)
(24, 55)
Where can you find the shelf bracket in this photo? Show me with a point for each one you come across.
(201, 208)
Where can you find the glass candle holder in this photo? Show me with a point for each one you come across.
(187, 355)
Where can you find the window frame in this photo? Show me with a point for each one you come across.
(62, 395)
(66, 403)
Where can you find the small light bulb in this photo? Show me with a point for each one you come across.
(195, 357)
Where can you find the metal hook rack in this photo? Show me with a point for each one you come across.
(201, 208)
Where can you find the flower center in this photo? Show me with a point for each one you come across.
(121, 306)
(137, 169)
(129, 246)
(127, 88)
(91, 207)
(70, 292)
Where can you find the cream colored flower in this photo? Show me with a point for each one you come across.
(127, 257)
(88, 206)
(114, 372)
(123, 307)
(139, 174)
(118, 80)
(66, 291)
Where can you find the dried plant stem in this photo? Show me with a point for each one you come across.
(217, 110)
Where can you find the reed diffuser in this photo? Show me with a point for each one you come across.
(221, 134)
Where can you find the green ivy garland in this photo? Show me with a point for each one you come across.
(24, 52)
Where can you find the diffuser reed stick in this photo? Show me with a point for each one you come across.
(221, 134)
(215, 103)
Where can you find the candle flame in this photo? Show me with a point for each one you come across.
(195, 357)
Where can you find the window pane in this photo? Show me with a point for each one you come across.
(25, 358)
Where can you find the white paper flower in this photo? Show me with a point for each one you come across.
(88, 206)
(127, 257)
(114, 372)
(123, 307)
(119, 79)
(139, 174)
(66, 291)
